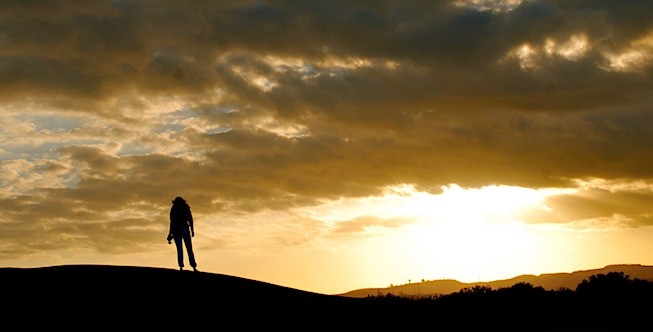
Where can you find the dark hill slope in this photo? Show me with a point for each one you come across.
(124, 298)
(72, 294)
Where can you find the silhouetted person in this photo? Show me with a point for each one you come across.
(182, 230)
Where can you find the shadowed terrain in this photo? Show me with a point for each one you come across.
(74, 294)
(549, 281)
(89, 297)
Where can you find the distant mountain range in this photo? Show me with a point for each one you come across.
(549, 281)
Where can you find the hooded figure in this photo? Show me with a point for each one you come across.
(182, 230)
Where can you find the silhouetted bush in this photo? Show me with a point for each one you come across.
(602, 301)
(613, 285)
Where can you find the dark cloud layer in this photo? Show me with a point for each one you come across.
(321, 100)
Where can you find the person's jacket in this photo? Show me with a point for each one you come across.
(180, 217)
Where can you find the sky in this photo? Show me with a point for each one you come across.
(329, 146)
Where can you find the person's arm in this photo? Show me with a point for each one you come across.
(190, 223)
(170, 227)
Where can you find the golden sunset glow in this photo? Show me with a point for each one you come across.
(329, 146)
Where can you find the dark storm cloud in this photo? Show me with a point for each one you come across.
(370, 94)
(159, 46)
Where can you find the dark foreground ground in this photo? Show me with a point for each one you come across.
(101, 297)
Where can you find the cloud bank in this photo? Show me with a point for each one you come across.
(110, 109)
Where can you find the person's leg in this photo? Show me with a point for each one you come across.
(189, 248)
(180, 251)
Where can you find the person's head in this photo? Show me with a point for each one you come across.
(178, 200)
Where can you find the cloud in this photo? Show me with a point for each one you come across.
(269, 105)
(599, 202)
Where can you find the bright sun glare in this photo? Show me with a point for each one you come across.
(476, 232)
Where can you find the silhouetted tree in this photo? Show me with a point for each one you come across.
(613, 282)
